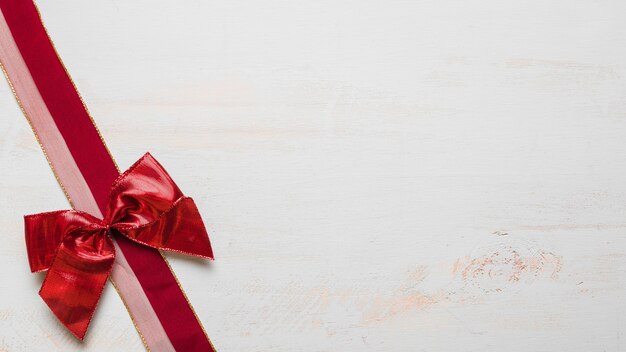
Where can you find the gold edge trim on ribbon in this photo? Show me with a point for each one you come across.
(93, 122)
(187, 299)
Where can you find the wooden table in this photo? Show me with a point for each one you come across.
(375, 175)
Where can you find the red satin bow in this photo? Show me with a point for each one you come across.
(76, 248)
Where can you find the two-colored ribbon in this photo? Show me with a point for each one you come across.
(85, 169)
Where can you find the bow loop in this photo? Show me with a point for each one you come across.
(172, 230)
(141, 194)
(76, 248)
(45, 231)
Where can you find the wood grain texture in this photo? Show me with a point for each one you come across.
(375, 175)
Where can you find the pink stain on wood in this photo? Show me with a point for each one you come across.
(383, 308)
(405, 299)
(507, 263)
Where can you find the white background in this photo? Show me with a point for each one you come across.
(375, 175)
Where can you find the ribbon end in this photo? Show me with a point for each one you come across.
(78, 329)
(80, 335)
(200, 248)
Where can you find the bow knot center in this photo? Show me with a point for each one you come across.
(107, 228)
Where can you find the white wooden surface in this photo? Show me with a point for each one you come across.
(375, 175)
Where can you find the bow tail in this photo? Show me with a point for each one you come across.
(76, 278)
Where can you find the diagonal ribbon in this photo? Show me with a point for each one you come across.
(76, 248)
(85, 170)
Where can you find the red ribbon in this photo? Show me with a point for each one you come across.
(76, 248)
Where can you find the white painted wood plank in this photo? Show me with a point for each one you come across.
(376, 176)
